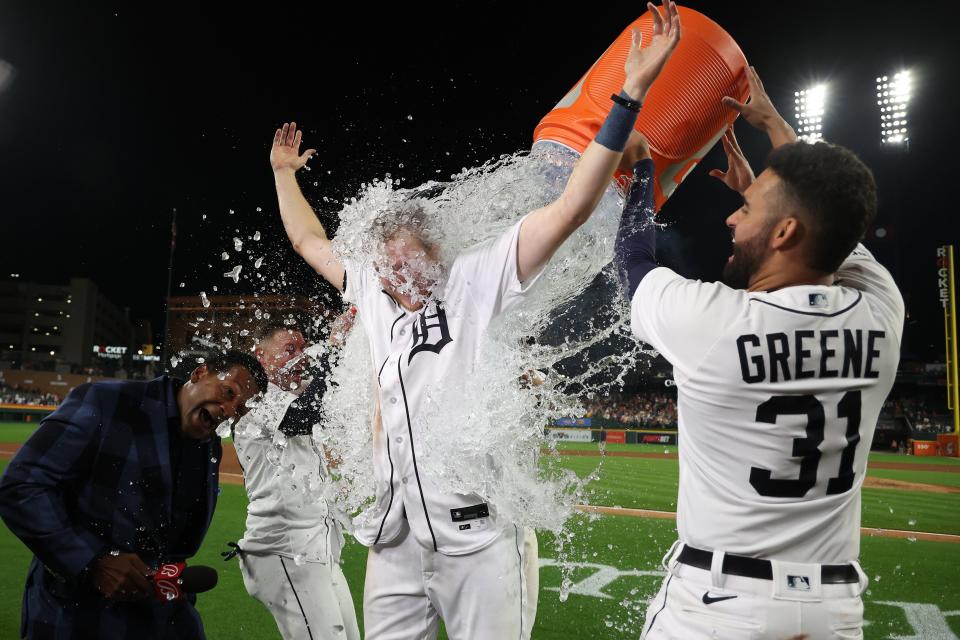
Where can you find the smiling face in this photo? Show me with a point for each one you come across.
(752, 226)
(279, 353)
(210, 398)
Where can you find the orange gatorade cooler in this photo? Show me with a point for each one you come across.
(681, 117)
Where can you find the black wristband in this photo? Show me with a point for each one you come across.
(633, 105)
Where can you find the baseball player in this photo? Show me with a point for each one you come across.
(439, 555)
(781, 373)
(290, 553)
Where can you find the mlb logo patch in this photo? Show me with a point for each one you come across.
(798, 583)
(818, 299)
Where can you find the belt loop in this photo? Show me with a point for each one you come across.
(669, 559)
(716, 570)
(863, 579)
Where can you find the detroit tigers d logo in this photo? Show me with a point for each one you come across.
(422, 332)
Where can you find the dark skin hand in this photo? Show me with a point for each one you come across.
(124, 577)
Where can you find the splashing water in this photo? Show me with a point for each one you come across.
(234, 273)
(237, 244)
(204, 300)
(482, 433)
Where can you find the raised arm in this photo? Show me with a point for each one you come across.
(307, 235)
(760, 113)
(547, 228)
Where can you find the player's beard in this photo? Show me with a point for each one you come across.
(748, 255)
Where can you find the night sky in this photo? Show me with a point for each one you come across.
(115, 118)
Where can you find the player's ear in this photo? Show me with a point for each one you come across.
(786, 233)
(198, 373)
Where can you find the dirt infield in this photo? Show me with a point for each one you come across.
(901, 466)
(872, 482)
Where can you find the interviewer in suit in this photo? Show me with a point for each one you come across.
(121, 477)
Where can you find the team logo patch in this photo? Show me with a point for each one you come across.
(818, 300)
(423, 330)
(798, 583)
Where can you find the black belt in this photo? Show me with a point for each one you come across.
(762, 569)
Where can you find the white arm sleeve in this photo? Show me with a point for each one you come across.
(862, 272)
(356, 280)
(489, 269)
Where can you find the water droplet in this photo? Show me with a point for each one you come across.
(203, 299)
(409, 117)
(912, 522)
(183, 284)
(256, 265)
(224, 256)
(256, 235)
(237, 244)
(234, 273)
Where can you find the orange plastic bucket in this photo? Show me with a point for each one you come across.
(681, 117)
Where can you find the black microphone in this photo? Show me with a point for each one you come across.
(174, 579)
(197, 579)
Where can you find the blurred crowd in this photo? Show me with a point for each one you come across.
(643, 409)
(14, 395)
(924, 412)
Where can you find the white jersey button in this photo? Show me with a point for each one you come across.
(404, 480)
(399, 439)
(393, 400)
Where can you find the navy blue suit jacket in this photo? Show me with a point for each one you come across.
(96, 475)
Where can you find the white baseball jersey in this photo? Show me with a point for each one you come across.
(778, 399)
(415, 353)
(284, 517)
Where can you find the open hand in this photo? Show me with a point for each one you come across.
(285, 154)
(645, 63)
(738, 175)
(759, 110)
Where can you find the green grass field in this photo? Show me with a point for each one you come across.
(912, 593)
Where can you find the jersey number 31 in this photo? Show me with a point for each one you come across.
(807, 448)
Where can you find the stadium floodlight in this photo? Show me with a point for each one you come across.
(809, 107)
(893, 98)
